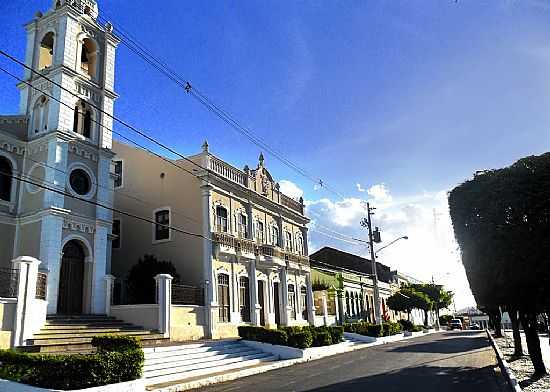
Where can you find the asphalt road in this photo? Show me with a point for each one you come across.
(447, 361)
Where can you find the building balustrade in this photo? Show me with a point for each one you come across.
(249, 246)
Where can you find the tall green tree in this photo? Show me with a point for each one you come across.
(440, 299)
(501, 220)
(407, 299)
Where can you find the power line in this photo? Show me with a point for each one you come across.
(229, 119)
(118, 211)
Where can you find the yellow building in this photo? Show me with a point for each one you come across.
(229, 232)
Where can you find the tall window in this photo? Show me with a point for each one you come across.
(243, 225)
(116, 233)
(303, 301)
(40, 115)
(45, 56)
(5, 179)
(118, 174)
(292, 301)
(260, 232)
(223, 297)
(275, 236)
(162, 229)
(221, 219)
(244, 298)
(299, 244)
(288, 242)
(88, 57)
(82, 123)
(348, 307)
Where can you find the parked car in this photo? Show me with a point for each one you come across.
(475, 326)
(455, 324)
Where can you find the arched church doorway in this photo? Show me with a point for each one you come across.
(71, 279)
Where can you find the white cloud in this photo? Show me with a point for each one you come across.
(430, 249)
(360, 188)
(291, 189)
(380, 193)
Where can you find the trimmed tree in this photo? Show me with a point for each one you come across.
(141, 279)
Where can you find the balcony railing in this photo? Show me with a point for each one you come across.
(249, 246)
(220, 167)
(8, 282)
(187, 295)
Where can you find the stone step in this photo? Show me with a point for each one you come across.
(178, 355)
(84, 339)
(191, 346)
(186, 360)
(180, 373)
(70, 334)
(56, 317)
(150, 340)
(60, 327)
(191, 351)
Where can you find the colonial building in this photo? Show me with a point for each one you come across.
(230, 232)
(61, 148)
(344, 282)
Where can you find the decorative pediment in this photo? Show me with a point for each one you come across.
(264, 183)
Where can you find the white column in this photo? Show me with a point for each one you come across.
(109, 284)
(164, 300)
(325, 309)
(50, 255)
(101, 246)
(310, 301)
(285, 317)
(25, 313)
(210, 305)
(254, 305)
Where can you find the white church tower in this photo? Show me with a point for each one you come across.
(66, 147)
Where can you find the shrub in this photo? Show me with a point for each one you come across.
(302, 339)
(336, 334)
(374, 330)
(391, 328)
(111, 364)
(406, 324)
(141, 283)
(261, 334)
(321, 338)
(416, 328)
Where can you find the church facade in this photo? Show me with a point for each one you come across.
(56, 183)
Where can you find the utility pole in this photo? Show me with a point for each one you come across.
(367, 222)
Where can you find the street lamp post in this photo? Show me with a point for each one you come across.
(367, 222)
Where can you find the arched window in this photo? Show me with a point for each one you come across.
(275, 236)
(82, 120)
(40, 115)
(221, 219)
(244, 298)
(6, 173)
(88, 57)
(299, 244)
(292, 301)
(223, 298)
(45, 55)
(303, 301)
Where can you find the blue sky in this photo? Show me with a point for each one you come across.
(405, 98)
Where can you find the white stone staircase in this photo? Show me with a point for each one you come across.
(179, 363)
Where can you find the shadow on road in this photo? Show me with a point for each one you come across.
(457, 344)
(422, 378)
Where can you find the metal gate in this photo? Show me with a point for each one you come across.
(71, 279)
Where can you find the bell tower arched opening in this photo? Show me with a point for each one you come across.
(45, 52)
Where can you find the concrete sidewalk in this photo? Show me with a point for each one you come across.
(544, 346)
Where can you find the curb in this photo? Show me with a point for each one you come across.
(184, 386)
(510, 377)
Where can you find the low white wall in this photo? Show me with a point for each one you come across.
(37, 316)
(362, 338)
(146, 315)
(129, 386)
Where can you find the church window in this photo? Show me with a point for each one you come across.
(45, 55)
(5, 179)
(88, 57)
(118, 174)
(116, 233)
(162, 225)
(83, 120)
(80, 182)
(40, 115)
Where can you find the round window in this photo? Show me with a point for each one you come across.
(80, 182)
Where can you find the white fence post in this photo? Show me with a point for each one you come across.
(109, 284)
(27, 268)
(164, 300)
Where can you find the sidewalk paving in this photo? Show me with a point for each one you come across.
(544, 346)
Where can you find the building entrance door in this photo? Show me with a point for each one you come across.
(71, 279)
(261, 300)
(276, 303)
